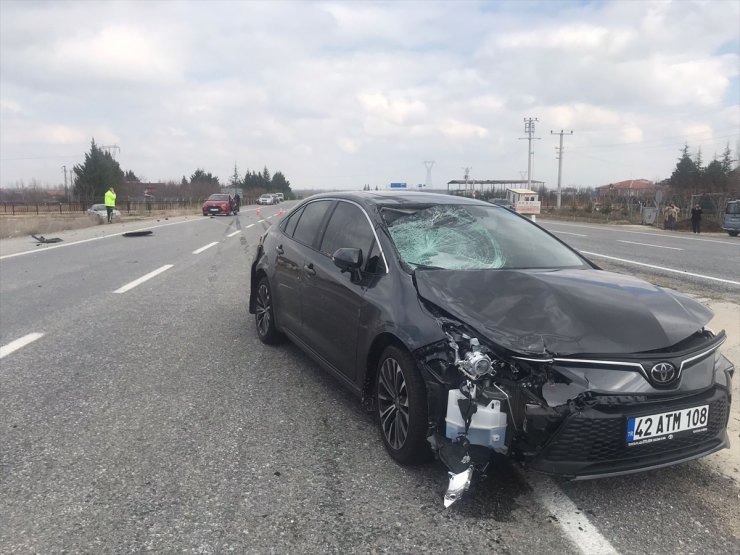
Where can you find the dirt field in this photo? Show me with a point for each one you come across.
(44, 224)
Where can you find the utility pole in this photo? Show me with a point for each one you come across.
(66, 194)
(529, 130)
(429, 164)
(467, 175)
(560, 160)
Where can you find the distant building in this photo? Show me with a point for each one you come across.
(633, 188)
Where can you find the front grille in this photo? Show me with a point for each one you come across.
(594, 436)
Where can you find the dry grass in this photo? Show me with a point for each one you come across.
(43, 224)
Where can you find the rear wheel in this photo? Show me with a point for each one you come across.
(402, 407)
(733, 233)
(264, 315)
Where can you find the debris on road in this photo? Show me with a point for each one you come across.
(43, 239)
(138, 233)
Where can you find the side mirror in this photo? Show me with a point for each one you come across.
(349, 260)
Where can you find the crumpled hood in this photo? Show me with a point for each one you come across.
(564, 312)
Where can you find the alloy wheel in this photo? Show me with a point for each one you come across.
(393, 403)
(262, 310)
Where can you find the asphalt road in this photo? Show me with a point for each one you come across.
(707, 262)
(154, 420)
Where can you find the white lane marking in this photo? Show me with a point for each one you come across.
(572, 522)
(95, 239)
(652, 233)
(250, 225)
(208, 246)
(260, 221)
(673, 270)
(649, 245)
(142, 279)
(569, 233)
(5, 350)
(237, 232)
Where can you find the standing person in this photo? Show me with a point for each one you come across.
(670, 217)
(110, 203)
(696, 218)
(238, 200)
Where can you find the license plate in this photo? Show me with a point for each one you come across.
(214, 209)
(642, 430)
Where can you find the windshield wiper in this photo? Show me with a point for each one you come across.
(418, 266)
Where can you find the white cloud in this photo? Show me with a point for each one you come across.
(342, 94)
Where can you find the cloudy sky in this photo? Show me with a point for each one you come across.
(340, 94)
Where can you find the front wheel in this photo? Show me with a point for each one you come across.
(402, 407)
(264, 315)
(733, 233)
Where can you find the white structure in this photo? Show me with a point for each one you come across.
(524, 201)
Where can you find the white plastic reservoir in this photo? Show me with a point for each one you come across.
(487, 426)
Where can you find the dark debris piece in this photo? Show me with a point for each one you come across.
(138, 233)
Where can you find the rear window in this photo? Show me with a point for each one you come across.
(733, 208)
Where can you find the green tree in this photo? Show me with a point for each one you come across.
(727, 160)
(131, 176)
(99, 172)
(235, 180)
(714, 177)
(685, 177)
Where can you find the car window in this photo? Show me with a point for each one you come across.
(288, 226)
(374, 262)
(310, 222)
(348, 228)
(473, 237)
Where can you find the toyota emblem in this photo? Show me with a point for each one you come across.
(663, 373)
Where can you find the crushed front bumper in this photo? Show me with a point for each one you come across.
(592, 443)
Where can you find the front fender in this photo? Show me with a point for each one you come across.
(254, 276)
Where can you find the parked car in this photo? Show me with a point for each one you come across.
(280, 197)
(731, 219)
(99, 212)
(220, 203)
(473, 333)
(266, 199)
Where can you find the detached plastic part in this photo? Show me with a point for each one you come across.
(459, 484)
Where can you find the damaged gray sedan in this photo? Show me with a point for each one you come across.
(474, 333)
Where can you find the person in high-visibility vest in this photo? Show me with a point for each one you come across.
(110, 203)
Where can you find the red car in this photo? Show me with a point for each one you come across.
(220, 203)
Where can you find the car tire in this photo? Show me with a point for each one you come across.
(402, 407)
(264, 315)
(733, 233)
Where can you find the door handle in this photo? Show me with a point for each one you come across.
(308, 268)
(279, 249)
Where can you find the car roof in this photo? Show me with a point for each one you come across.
(397, 198)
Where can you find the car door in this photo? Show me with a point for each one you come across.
(293, 246)
(331, 301)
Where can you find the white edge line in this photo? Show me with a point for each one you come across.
(574, 524)
(673, 270)
(237, 232)
(96, 238)
(5, 350)
(614, 229)
(142, 279)
(649, 245)
(208, 246)
(569, 233)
